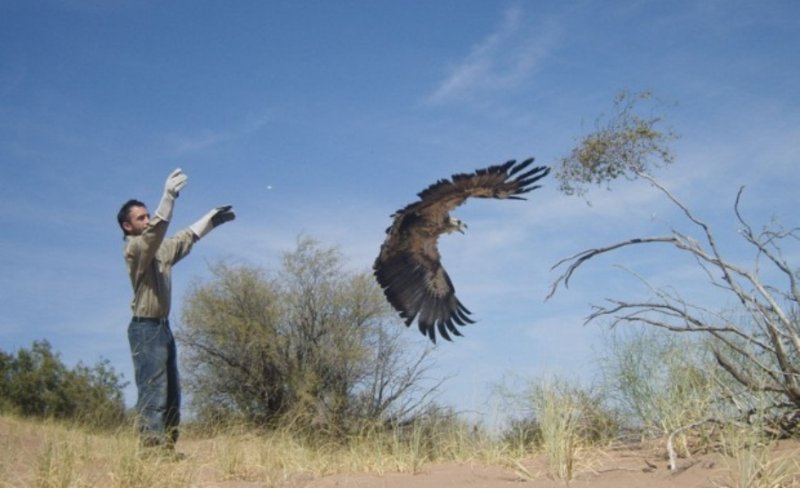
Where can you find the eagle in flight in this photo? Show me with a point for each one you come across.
(409, 267)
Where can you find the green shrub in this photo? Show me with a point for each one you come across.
(36, 383)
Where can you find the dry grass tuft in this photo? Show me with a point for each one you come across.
(49, 454)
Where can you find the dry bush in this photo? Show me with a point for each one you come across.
(310, 344)
(660, 381)
(751, 460)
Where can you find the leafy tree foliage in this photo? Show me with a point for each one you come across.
(626, 145)
(36, 383)
(311, 343)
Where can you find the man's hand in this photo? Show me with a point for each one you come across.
(212, 219)
(175, 181)
(222, 214)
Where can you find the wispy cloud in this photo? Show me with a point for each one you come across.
(179, 144)
(505, 59)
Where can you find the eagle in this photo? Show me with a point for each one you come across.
(409, 268)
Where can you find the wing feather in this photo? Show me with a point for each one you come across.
(409, 268)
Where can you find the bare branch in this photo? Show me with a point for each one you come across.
(762, 246)
(768, 347)
(584, 256)
(673, 462)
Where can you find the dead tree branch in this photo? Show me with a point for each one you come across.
(762, 351)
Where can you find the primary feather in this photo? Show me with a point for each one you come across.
(409, 267)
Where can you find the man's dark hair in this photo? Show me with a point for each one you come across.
(124, 212)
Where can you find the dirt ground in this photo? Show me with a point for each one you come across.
(629, 467)
(619, 468)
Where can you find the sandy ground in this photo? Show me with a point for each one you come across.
(619, 471)
(630, 467)
(619, 468)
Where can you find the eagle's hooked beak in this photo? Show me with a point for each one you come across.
(457, 225)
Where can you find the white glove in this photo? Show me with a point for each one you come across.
(175, 181)
(215, 217)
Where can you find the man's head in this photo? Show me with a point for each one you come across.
(133, 217)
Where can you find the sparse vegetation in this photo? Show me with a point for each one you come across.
(47, 453)
(755, 343)
(562, 421)
(302, 372)
(750, 461)
(660, 381)
(730, 381)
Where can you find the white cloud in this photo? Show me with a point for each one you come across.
(505, 59)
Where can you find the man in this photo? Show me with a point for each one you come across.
(150, 257)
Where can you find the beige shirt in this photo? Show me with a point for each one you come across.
(150, 258)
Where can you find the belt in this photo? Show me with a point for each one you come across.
(160, 320)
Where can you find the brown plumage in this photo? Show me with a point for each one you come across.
(409, 267)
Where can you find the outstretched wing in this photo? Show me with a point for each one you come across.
(417, 286)
(507, 180)
(409, 267)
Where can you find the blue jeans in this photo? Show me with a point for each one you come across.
(155, 365)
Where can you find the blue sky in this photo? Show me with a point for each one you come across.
(322, 118)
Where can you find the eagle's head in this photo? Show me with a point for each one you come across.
(455, 225)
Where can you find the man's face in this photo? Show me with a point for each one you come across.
(138, 218)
